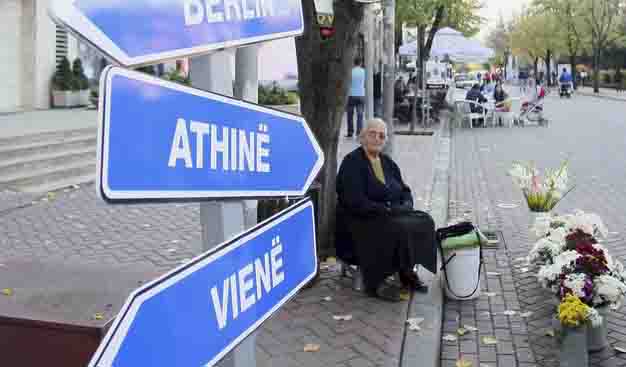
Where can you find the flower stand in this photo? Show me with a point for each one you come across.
(573, 349)
(597, 336)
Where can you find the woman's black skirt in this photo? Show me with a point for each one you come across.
(387, 244)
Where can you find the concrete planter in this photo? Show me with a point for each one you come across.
(62, 98)
(83, 97)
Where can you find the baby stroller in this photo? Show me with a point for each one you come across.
(531, 112)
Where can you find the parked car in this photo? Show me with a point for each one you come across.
(463, 81)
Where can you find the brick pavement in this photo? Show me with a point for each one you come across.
(75, 226)
(587, 130)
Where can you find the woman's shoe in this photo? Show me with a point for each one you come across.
(413, 282)
(388, 292)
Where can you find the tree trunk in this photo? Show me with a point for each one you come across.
(536, 61)
(572, 63)
(389, 75)
(433, 31)
(596, 70)
(324, 76)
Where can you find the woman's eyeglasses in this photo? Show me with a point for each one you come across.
(376, 134)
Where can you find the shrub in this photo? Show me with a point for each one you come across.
(63, 79)
(147, 69)
(177, 77)
(606, 78)
(80, 80)
(275, 95)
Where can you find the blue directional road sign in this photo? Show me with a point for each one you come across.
(136, 32)
(195, 314)
(163, 140)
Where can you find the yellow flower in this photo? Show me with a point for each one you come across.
(572, 311)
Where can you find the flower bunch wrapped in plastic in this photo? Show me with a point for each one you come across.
(573, 313)
(541, 195)
(572, 262)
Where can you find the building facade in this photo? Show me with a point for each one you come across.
(30, 45)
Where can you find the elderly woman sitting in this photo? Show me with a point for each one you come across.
(375, 207)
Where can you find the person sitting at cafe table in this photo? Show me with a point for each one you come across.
(476, 96)
(375, 207)
(502, 102)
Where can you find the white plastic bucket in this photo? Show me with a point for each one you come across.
(462, 273)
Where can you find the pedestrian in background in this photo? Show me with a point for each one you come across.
(619, 81)
(378, 94)
(356, 98)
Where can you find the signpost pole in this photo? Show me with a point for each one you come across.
(221, 219)
(369, 62)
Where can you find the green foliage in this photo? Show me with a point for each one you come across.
(274, 96)
(177, 77)
(80, 81)
(63, 78)
(606, 78)
(462, 15)
(147, 69)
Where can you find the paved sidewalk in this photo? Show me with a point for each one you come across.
(74, 226)
(25, 123)
(604, 93)
(481, 191)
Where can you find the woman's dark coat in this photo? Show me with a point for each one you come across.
(376, 225)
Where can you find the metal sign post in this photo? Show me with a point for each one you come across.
(160, 140)
(197, 313)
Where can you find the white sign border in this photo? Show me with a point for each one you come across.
(64, 12)
(113, 195)
(110, 345)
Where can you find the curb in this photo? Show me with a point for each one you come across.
(423, 348)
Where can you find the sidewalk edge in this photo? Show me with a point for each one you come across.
(423, 348)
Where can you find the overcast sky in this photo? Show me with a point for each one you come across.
(279, 57)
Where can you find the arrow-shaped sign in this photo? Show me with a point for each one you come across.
(164, 140)
(136, 32)
(195, 314)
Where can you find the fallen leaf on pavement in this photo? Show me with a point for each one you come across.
(327, 298)
(523, 270)
(414, 323)
(509, 313)
(620, 350)
(51, 195)
(489, 340)
(526, 314)
(7, 291)
(98, 316)
(461, 331)
(449, 338)
(491, 294)
(405, 296)
(470, 328)
(492, 274)
(485, 365)
(342, 317)
(311, 347)
(463, 363)
(550, 333)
